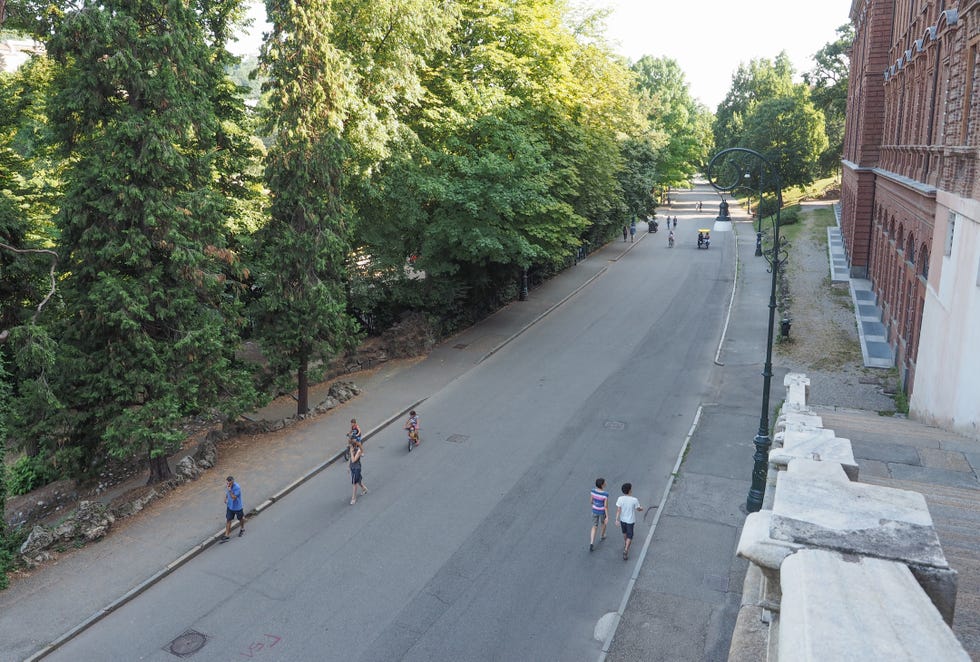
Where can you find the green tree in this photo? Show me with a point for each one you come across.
(753, 82)
(149, 288)
(517, 141)
(789, 131)
(338, 73)
(828, 81)
(674, 116)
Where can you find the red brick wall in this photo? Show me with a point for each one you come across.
(909, 132)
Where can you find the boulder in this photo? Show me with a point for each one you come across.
(206, 455)
(187, 469)
(93, 520)
(39, 540)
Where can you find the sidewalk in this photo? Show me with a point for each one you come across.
(55, 602)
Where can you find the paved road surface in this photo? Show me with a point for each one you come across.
(475, 547)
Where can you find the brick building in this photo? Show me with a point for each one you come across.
(910, 189)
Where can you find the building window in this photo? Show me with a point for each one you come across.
(971, 64)
(924, 262)
(950, 226)
(910, 249)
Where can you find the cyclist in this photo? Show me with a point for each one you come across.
(670, 239)
(412, 426)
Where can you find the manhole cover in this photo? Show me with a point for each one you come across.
(187, 644)
(457, 438)
(614, 425)
(461, 345)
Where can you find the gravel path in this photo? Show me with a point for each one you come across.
(824, 341)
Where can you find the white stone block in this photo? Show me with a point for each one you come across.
(756, 545)
(817, 470)
(821, 446)
(838, 607)
(855, 517)
(797, 389)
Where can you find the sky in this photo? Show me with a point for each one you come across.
(709, 39)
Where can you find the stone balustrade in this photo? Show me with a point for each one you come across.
(839, 569)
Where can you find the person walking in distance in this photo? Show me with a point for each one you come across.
(356, 453)
(632, 229)
(233, 508)
(626, 508)
(412, 426)
(625, 232)
(600, 514)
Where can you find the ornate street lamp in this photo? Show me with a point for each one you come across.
(738, 168)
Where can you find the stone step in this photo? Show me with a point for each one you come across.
(872, 422)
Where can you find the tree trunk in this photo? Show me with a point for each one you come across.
(159, 470)
(302, 387)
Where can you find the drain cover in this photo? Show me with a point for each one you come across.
(457, 438)
(614, 425)
(187, 644)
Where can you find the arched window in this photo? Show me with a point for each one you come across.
(910, 249)
(924, 261)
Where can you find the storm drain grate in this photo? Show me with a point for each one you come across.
(187, 644)
(461, 345)
(614, 425)
(457, 438)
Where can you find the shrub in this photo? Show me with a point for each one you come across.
(29, 473)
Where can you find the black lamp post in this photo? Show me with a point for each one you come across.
(732, 169)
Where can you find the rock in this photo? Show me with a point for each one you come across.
(133, 506)
(206, 455)
(93, 520)
(187, 469)
(39, 539)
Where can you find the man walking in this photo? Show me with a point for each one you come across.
(233, 508)
(626, 508)
(600, 513)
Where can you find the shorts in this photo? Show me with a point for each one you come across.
(627, 528)
(355, 473)
(232, 514)
(599, 518)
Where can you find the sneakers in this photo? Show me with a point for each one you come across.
(626, 555)
(591, 547)
(241, 532)
(223, 539)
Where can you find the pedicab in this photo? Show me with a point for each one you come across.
(704, 238)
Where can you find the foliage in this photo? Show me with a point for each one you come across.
(828, 82)
(789, 131)
(149, 286)
(512, 160)
(5, 557)
(29, 473)
(674, 117)
(758, 80)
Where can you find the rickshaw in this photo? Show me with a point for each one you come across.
(704, 237)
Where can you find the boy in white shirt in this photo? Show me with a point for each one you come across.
(626, 508)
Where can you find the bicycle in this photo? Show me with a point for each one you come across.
(412, 425)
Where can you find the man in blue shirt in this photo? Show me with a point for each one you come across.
(233, 508)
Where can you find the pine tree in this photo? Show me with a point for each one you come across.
(149, 288)
(301, 313)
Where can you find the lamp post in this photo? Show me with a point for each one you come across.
(732, 169)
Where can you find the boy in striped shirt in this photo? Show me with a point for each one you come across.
(598, 496)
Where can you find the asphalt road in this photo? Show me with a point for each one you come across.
(474, 547)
